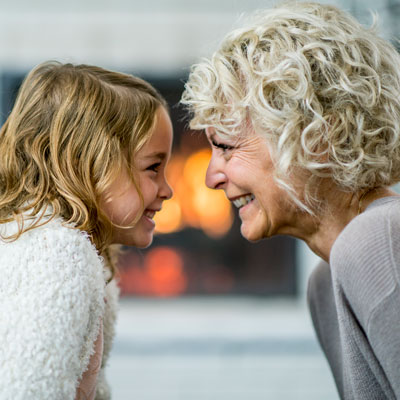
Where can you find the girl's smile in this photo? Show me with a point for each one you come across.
(122, 202)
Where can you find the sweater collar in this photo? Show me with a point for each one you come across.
(381, 201)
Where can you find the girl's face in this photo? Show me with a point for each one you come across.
(122, 204)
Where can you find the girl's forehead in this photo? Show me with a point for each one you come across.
(160, 142)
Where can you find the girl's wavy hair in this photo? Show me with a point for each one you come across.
(322, 89)
(71, 131)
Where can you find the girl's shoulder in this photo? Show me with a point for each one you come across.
(53, 250)
(52, 291)
(50, 233)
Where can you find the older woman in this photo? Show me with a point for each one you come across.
(302, 111)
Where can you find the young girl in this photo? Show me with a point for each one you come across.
(83, 156)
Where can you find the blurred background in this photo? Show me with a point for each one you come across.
(204, 314)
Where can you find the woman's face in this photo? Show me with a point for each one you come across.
(243, 168)
(122, 203)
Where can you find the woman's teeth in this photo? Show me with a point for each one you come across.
(242, 201)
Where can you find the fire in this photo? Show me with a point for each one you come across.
(170, 219)
(161, 274)
(161, 271)
(165, 269)
(193, 204)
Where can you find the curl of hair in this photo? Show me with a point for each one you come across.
(322, 89)
(71, 131)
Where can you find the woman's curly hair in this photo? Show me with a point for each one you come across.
(321, 88)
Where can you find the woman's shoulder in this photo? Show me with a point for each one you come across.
(365, 258)
(372, 230)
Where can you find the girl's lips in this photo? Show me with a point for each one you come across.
(148, 220)
(149, 214)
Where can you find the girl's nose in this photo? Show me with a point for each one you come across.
(166, 191)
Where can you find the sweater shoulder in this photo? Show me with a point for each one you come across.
(51, 251)
(52, 286)
(371, 234)
(365, 257)
(55, 237)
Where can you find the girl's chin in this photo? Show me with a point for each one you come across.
(137, 239)
(141, 241)
(144, 244)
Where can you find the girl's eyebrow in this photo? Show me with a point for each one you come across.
(160, 155)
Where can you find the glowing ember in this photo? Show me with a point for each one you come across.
(161, 275)
(170, 219)
(165, 269)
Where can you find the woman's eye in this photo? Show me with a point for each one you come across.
(222, 146)
(154, 167)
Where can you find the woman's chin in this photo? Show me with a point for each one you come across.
(249, 234)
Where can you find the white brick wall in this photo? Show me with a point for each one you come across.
(154, 36)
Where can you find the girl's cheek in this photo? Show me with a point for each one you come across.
(149, 189)
(155, 191)
(153, 188)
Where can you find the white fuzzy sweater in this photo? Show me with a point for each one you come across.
(52, 292)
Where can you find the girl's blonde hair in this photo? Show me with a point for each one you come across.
(323, 90)
(71, 131)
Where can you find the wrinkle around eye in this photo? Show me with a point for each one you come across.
(221, 146)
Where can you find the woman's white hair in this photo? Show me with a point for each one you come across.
(322, 89)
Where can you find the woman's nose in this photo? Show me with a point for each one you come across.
(215, 176)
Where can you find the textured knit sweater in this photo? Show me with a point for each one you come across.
(355, 304)
(53, 299)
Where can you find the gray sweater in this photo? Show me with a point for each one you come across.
(355, 304)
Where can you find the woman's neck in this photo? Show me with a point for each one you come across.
(324, 229)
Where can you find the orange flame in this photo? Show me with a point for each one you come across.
(193, 203)
(162, 275)
(165, 269)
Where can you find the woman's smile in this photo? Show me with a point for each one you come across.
(242, 201)
(245, 171)
(245, 208)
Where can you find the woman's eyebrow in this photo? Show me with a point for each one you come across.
(212, 137)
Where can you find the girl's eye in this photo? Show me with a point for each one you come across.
(222, 146)
(154, 167)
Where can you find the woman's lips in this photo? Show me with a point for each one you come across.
(241, 201)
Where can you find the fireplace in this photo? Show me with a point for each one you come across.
(198, 249)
